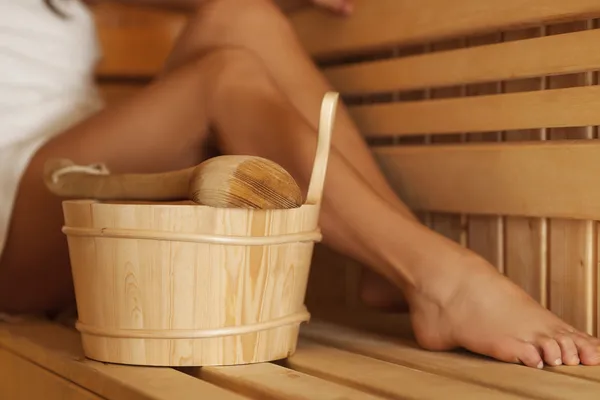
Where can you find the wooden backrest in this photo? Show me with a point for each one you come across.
(481, 113)
(138, 40)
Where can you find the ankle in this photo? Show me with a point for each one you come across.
(426, 264)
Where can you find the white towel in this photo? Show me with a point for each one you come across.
(46, 83)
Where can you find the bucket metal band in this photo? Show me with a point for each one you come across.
(292, 319)
(313, 236)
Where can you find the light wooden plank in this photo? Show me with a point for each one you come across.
(272, 382)
(486, 238)
(58, 349)
(23, 380)
(573, 262)
(381, 23)
(517, 379)
(136, 41)
(520, 179)
(383, 378)
(572, 246)
(579, 371)
(526, 238)
(527, 255)
(527, 110)
(558, 54)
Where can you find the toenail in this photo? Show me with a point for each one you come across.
(558, 361)
(540, 365)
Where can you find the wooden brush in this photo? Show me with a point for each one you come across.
(229, 181)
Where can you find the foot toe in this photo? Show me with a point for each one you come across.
(551, 351)
(530, 356)
(517, 352)
(570, 355)
(588, 348)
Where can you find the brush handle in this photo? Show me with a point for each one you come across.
(66, 179)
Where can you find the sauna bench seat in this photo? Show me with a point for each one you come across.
(44, 360)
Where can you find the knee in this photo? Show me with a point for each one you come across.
(229, 67)
(228, 63)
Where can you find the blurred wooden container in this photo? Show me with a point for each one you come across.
(177, 284)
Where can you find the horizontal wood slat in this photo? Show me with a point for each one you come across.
(137, 40)
(550, 55)
(381, 23)
(270, 382)
(556, 108)
(59, 350)
(580, 372)
(537, 179)
(23, 380)
(383, 378)
(524, 381)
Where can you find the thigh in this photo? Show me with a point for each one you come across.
(161, 128)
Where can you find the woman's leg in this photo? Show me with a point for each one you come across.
(259, 26)
(450, 290)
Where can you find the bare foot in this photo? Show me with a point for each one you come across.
(469, 304)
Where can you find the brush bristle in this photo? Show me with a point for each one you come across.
(246, 182)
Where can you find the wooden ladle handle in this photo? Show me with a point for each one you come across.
(226, 181)
(326, 121)
(66, 179)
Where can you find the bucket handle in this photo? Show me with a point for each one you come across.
(326, 122)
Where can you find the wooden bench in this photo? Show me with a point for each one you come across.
(43, 360)
(483, 116)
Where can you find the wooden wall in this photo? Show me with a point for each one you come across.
(553, 257)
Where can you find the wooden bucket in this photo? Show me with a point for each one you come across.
(170, 284)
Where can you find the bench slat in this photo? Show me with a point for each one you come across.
(21, 379)
(272, 382)
(557, 54)
(59, 350)
(536, 179)
(555, 108)
(592, 374)
(385, 23)
(383, 378)
(503, 376)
